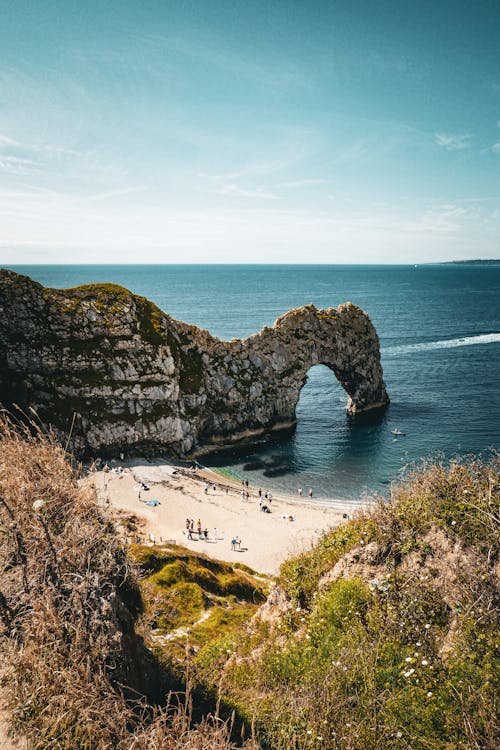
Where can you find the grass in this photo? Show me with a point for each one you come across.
(384, 635)
(180, 587)
(76, 674)
(389, 635)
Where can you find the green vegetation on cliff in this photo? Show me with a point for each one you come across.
(75, 673)
(383, 635)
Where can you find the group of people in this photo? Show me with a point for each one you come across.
(200, 531)
(299, 492)
(235, 543)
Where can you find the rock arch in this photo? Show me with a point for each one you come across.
(137, 379)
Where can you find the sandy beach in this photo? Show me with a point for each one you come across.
(176, 494)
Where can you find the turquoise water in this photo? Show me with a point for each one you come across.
(439, 329)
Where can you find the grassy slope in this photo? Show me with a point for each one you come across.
(72, 664)
(384, 635)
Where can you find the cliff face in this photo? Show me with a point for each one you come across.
(136, 379)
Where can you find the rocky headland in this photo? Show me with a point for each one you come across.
(122, 376)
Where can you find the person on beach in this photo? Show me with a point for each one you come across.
(260, 493)
(205, 534)
(310, 492)
(191, 529)
(215, 534)
(233, 542)
(237, 542)
(205, 488)
(299, 492)
(242, 493)
(199, 528)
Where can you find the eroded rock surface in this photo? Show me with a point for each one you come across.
(131, 378)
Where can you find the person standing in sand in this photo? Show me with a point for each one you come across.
(299, 492)
(199, 528)
(310, 492)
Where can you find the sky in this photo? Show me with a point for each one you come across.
(228, 131)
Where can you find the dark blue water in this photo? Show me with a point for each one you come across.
(439, 329)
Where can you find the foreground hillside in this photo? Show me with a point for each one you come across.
(75, 673)
(383, 635)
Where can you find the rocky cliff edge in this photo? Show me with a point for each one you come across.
(124, 376)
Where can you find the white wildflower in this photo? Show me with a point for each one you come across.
(429, 694)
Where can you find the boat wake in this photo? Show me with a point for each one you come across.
(486, 338)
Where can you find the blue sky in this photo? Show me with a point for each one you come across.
(214, 131)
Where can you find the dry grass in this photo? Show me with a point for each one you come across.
(75, 673)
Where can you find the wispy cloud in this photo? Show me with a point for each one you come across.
(496, 147)
(6, 141)
(116, 193)
(241, 192)
(17, 165)
(307, 182)
(206, 50)
(452, 142)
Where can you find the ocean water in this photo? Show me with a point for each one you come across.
(439, 330)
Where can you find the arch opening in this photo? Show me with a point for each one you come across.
(322, 397)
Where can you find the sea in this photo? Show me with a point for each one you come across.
(439, 331)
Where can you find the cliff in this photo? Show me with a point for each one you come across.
(128, 377)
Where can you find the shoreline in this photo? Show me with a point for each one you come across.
(176, 494)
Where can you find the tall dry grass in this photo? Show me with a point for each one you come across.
(75, 674)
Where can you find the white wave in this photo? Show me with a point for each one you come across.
(486, 338)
